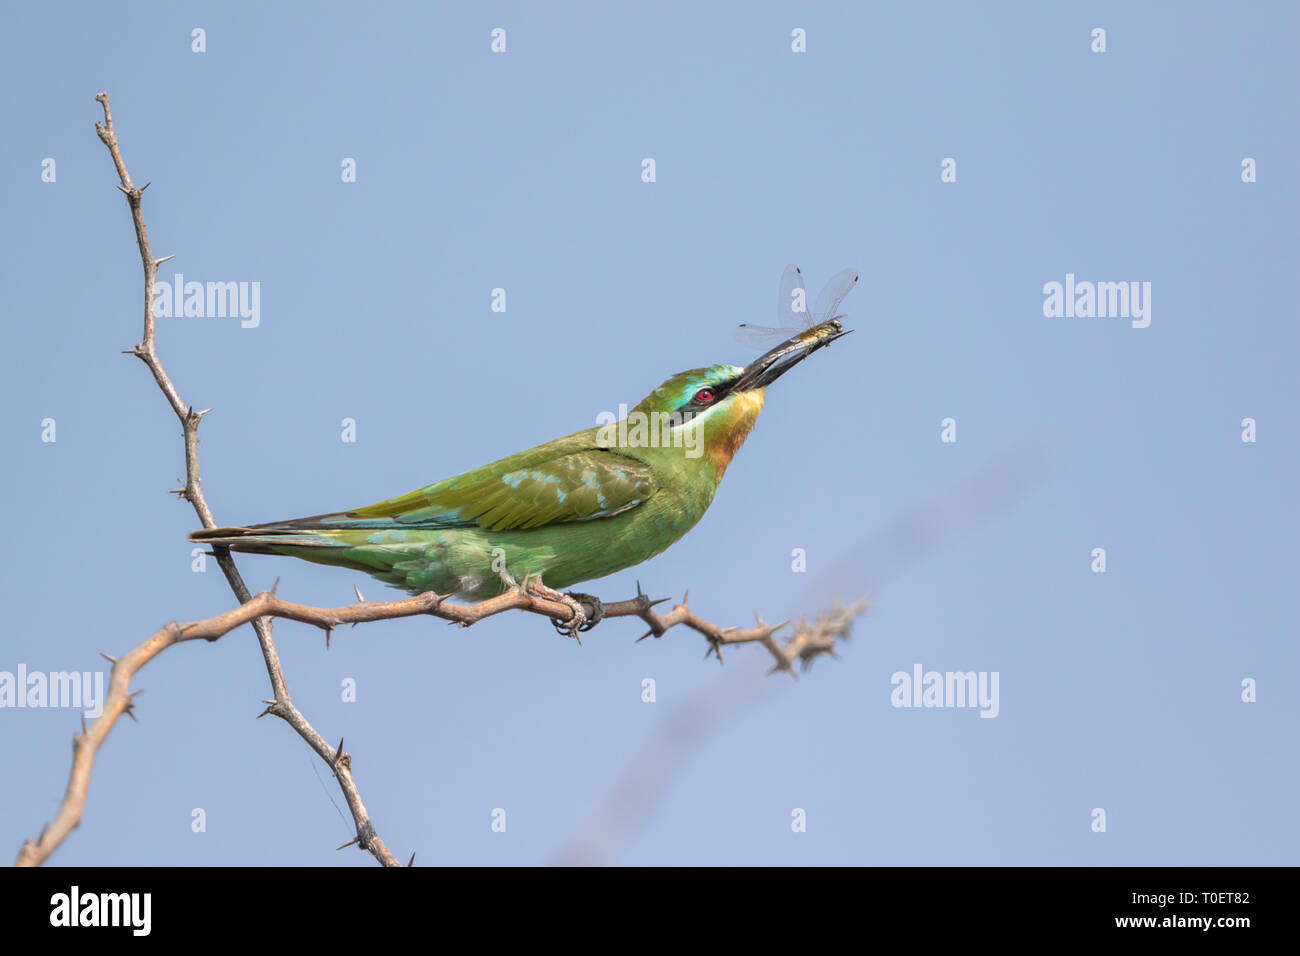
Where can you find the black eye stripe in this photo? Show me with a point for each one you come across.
(720, 391)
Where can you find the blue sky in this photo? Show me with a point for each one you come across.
(1120, 690)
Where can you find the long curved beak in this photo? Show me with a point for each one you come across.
(767, 368)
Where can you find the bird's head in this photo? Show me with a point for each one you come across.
(712, 410)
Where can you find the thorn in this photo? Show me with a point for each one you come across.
(411, 862)
(659, 601)
(328, 631)
(204, 412)
(686, 598)
(158, 262)
(338, 754)
(787, 664)
(644, 636)
(108, 657)
(125, 191)
(275, 587)
(145, 186)
(360, 599)
(353, 842)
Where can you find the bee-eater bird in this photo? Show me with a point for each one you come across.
(576, 508)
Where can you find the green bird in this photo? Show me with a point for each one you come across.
(576, 508)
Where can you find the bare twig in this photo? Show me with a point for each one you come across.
(807, 643)
(282, 705)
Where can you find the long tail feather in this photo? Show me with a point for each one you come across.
(264, 540)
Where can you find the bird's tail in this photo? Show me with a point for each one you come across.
(317, 539)
(268, 538)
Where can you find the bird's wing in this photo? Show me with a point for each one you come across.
(575, 486)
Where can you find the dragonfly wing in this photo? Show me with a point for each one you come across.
(760, 336)
(792, 300)
(833, 293)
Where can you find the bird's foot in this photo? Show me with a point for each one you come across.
(575, 625)
(593, 608)
(587, 610)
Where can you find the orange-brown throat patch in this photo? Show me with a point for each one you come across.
(734, 427)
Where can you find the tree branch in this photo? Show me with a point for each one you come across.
(282, 705)
(807, 642)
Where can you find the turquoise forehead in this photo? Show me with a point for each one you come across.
(679, 389)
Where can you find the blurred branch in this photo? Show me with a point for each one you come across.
(907, 538)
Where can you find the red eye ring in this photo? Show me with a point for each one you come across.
(704, 396)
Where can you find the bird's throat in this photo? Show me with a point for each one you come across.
(734, 427)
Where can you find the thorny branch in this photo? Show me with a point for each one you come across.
(808, 642)
(87, 743)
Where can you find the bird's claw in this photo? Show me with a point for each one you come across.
(588, 611)
(585, 611)
(593, 608)
(577, 621)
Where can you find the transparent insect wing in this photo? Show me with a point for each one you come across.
(792, 314)
(833, 293)
(759, 336)
(792, 301)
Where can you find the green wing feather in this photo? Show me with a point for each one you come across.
(520, 492)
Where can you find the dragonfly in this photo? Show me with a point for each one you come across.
(797, 326)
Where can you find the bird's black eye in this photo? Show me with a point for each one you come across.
(704, 396)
